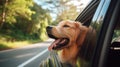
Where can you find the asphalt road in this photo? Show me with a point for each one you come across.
(29, 56)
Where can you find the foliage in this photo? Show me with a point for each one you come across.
(23, 20)
(40, 20)
(69, 13)
(13, 8)
(116, 36)
(42, 17)
(63, 9)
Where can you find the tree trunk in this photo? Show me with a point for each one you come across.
(3, 14)
(29, 27)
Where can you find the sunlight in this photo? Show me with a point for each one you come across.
(80, 4)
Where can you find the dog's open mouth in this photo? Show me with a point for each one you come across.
(59, 44)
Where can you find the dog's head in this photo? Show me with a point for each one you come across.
(65, 34)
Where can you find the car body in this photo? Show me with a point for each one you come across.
(104, 17)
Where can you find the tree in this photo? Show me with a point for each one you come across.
(39, 21)
(68, 14)
(23, 19)
(3, 5)
(10, 9)
(37, 25)
(64, 9)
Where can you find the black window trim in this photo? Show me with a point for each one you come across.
(108, 37)
(88, 11)
(99, 52)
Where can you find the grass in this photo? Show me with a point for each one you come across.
(16, 44)
(7, 42)
(15, 38)
(4, 47)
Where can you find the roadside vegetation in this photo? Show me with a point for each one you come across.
(24, 22)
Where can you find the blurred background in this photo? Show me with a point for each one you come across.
(23, 22)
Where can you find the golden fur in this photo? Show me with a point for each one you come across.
(76, 34)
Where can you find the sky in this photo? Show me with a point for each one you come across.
(75, 2)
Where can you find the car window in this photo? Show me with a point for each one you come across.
(105, 29)
(100, 27)
(88, 49)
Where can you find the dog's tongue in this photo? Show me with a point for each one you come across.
(55, 43)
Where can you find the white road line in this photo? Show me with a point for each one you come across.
(33, 58)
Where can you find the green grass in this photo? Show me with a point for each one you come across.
(3, 45)
(8, 42)
(15, 38)
(16, 44)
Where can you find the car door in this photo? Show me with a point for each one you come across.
(97, 24)
(94, 55)
(104, 24)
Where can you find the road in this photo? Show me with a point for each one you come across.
(29, 56)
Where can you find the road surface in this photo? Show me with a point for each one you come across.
(29, 56)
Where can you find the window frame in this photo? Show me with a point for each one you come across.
(114, 11)
(88, 12)
(105, 36)
(101, 31)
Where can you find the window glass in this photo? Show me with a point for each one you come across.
(98, 20)
(92, 36)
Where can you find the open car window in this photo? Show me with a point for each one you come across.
(86, 50)
(93, 19)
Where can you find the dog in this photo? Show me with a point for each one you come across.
(69, 37)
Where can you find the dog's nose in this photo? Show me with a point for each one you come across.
(48, 29)
(49, 32)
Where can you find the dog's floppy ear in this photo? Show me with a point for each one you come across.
(81, 35)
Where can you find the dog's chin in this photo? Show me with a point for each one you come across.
(59, 44)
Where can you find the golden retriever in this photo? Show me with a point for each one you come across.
(69, 37)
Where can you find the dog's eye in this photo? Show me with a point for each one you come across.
(66, 26)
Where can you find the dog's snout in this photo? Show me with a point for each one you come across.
(49, 32)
